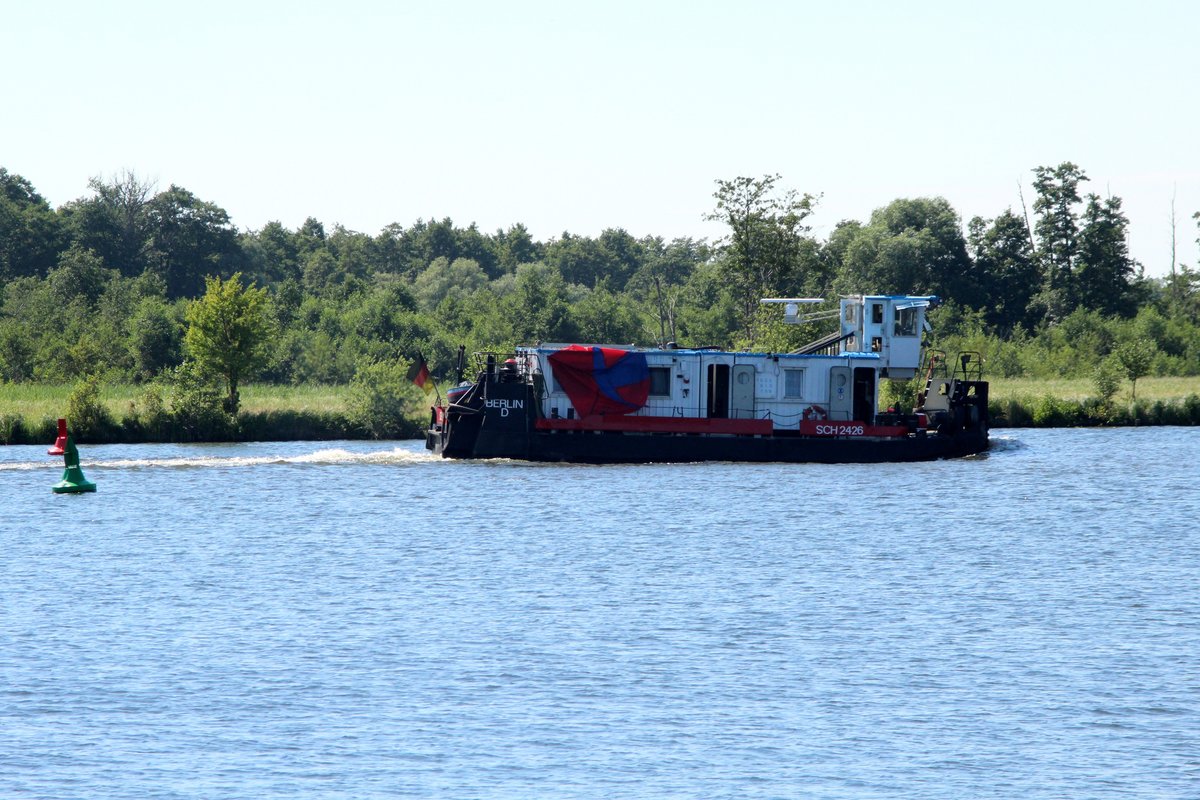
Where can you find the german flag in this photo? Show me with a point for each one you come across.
(418, 373)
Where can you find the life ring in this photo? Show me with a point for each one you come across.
(815, 412)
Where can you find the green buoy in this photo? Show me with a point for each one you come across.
(72, 481)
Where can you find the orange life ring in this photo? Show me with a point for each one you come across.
(815, 412)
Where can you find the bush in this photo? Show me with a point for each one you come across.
(1009, 413)
(1095, 411)
(87, 416)
(149, 420)
(290, 425)
(900, 395)
(1159, 412)
(1191, 408)
(379, 400)
(12, 429)
(1052, 412)
(1135, 359)
(196, 408)
(1107, 380)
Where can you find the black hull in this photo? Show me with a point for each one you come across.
(632, 448)
(500, 420)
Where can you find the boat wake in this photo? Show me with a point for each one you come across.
(1004, 443)
(329, 457)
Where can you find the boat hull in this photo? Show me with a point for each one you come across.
(502, 419)
(629, 448)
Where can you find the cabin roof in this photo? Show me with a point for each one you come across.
(546, 349)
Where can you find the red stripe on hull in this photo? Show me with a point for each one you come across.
(741, 427)
(814, 427)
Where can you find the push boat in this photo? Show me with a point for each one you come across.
(819, 403)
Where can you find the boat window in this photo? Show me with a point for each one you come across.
(660, 381)
(793, 383)
(850, 315)
(906, 322)
(877, 313)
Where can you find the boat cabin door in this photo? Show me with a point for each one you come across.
(841, 394)
(741, 392)
(864, 394)
(718, 391)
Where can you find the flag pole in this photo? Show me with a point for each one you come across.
(419, 374)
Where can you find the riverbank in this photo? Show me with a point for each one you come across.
(1068, 403)
(28, 412)
(315, 412)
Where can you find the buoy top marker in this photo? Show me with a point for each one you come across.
(60, 444)
(73, 481)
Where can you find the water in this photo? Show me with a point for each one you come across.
(359, 620)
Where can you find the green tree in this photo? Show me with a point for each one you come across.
(514, 247)
(767, 232)
(271, 255)
(912, 245)
(537, 308)
(1005, 269)
(1106, 381)
(625, 255)
(194, 406)
(386, 315)
(1057, 230)
(602, 316)
(309, 238)
(580, 259)
(353, 253)
(380, 399)
(154, 338)
(80, 273)
(425, 241)
(230, 332)
(444, 278)
(1135, 358)
(16, 351)
(114, 223)
(662, 276)
(320, 270)
(1105, 270)
(31, 235)
(708, 313)
(189, 239)
(87, 413)
(1182, 294)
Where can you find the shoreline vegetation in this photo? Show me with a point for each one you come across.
(129, 413)
(143, 314)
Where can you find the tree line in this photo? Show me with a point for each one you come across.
(114, 283)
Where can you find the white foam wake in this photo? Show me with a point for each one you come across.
(333, 456)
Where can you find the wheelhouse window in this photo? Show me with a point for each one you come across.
(906, 322)
(877, 313)
(660, 381)
(793, 383)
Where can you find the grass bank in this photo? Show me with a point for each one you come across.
(1023, 402)
(29, 414)
(38, 400)
(1149, 390)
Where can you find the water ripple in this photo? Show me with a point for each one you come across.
(360, 620)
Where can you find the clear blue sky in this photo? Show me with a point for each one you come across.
(579, 117)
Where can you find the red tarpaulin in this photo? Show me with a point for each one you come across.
(602, 380)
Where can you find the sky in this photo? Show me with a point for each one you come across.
(585, 116)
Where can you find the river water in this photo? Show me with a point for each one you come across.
(360, 620)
